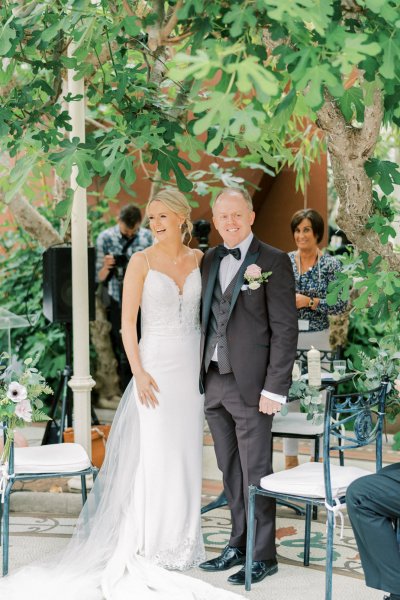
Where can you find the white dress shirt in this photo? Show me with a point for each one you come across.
(228, 268)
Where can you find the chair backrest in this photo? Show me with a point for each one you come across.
(353, 421)
(327, 357)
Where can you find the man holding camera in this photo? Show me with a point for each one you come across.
(114, 247)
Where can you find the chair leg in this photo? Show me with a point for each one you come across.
(6, 528)
(84, 491)
(316, 459)
(307, 535)
(329, 556)
(95, 473)
(217, 503)
(250, 536)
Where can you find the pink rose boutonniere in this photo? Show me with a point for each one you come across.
(255, 276)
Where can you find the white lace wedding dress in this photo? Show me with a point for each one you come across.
(144, 510)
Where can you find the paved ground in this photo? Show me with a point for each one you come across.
(43, 515)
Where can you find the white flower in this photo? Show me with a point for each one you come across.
(254, 285)
(24, 411)
(17, 392)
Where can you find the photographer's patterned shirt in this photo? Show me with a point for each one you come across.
(314, 283)
(111, 241)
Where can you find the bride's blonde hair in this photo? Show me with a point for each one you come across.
(176, 201)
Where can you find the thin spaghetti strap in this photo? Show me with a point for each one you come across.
(195, 258)
(147, 259)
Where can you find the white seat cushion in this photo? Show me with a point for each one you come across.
(54, 458)
(308, 480)
(296, 423)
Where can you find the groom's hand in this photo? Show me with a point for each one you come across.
(268, 406)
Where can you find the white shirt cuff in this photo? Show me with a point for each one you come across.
(276, 397)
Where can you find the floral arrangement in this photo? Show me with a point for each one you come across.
(383, 365)
(21, 385)
(310, 398)
(255, 277)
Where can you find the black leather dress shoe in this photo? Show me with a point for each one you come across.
(230, 557)
(259, 570)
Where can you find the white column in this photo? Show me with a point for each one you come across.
(81, 382)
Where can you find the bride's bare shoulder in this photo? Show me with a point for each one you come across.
(199, 255)
(139, 262)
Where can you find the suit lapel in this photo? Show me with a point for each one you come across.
(250, 258)
(208, 294)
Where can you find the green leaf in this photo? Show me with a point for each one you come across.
(7, 35)
(352, 104)
(384, 172)
(252, 74)
(218, 109)
(122, 168)
(391, 56)
(190, 145)
(246, 122)
(19, 174)
(284, 110)
(313, 82)
(317, 15)
(64, 207)
(241, 16)
(198, 66)
(169, 160)
(131, 26)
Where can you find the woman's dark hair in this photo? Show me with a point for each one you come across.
(317, 222)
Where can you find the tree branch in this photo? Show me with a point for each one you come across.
(172, 23)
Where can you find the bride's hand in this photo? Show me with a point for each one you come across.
(145, 386)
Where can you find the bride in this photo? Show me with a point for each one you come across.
(141, 521)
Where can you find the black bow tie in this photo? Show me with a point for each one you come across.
(223, 251)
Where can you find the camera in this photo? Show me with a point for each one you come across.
(121, 262)
(201, 231)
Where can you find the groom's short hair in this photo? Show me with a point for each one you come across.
(237, 190)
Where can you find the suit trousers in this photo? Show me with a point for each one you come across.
(373, 505)
(242, 442)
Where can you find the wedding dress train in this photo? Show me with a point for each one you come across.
(144, 510)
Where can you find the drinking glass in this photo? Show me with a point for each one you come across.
(297, 370)
(339, 366)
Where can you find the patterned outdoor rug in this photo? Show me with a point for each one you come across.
(216, 529)
(290, 540)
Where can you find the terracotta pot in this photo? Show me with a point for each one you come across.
(392, 426)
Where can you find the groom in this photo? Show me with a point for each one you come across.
(249, 339)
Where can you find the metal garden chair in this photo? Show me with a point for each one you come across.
(39, 462)
(351, 421)
(295, 425)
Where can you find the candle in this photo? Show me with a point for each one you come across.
(314, 367)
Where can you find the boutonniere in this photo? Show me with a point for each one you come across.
(255, 276)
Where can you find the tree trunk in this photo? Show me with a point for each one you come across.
(33, 222)
(106, 376)
(350, 148)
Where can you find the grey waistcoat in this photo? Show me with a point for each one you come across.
(216, 333)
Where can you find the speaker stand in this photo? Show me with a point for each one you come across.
(63, 394)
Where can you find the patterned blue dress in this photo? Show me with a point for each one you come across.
(314, 283)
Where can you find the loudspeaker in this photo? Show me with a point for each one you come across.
(57, 284)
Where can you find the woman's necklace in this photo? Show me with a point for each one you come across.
(316, 260)
(177, 258)
(310, 267)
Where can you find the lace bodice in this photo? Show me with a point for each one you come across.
(167, 312)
